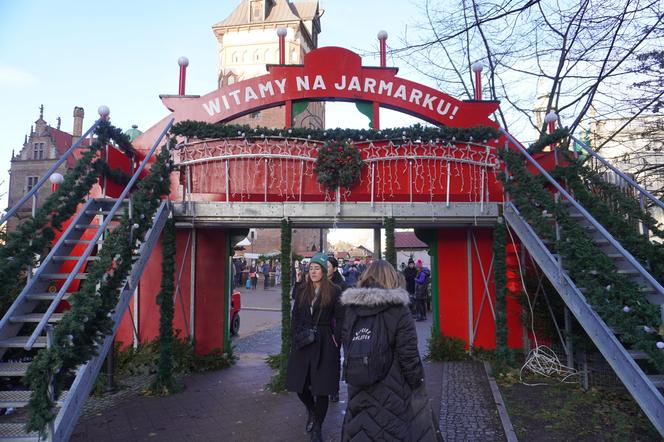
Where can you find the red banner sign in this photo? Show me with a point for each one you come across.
(331, 73)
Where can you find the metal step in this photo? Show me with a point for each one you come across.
(74, 258)
(16, 399)
(15, 432)
(13, 369)
(657, 380)
(118, 214)
(20, 341)
(71, 242)
(36, 317)
(51, 276)
(48, 296)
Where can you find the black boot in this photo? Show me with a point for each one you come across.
(310, 421)
(316, 433)
(334, 397)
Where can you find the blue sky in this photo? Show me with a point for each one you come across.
(124, 54)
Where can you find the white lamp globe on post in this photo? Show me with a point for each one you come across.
(104, 112)
(477, 68)
(56, 179)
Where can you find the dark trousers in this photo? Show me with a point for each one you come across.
(254, 282)
(317, 404)
(421, 305)
(265, 280)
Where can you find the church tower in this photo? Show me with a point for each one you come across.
(247, 42)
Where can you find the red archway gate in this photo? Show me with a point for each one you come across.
(440, 184)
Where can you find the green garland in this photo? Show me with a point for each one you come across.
(34, 235)
(558, 135)
(164, 383)
(613, 296)
(202, 130)
(338, 164)
(500, 284)
(618, 213)
(83, 328)
(281, 363)
(390, 250)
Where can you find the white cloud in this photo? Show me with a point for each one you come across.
(16, 77)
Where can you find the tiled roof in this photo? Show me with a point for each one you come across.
(305, 10)
(408, 241)
(63, 141)
(282, 11)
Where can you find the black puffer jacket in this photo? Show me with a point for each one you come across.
(384, 411)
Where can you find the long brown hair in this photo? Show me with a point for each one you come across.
(307, 291)
(380, 274)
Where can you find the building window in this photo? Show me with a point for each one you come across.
(256, 13)
(38, 151)
(254, 115)
(32, 182)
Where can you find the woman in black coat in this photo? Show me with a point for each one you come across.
(313, 369)
(396, 407)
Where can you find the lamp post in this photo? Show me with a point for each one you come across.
(382, 38)
(183, 62)
(477, 68)
(281, 33)
(56, 179)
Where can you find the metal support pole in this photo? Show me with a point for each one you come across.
(410, 180)
(377, 244)
(469, 263)
(110, 384)
(192, 286)
(569, 346)
(320, 240)
(447, 198)
(373, 183)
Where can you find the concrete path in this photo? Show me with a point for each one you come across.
(233, 404)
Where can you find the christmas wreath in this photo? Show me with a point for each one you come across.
(338, 165)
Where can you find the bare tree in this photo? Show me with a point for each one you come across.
(573, 57)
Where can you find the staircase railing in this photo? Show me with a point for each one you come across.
(643, 391)
(48, 174)
(628, 256)
(620, 173)
(88, 250)
(65, 421)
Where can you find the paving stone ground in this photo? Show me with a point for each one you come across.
(233, 404)
(468, 411)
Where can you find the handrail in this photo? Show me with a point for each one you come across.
(656, 285)
(54, 304)
(48, 174)
(597, 156)
(54, 251)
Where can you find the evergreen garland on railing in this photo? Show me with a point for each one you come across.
(390, 250)
(81, 331)
(203, 130)
(500, 284)
(618, 213)
(164, 383)
(613, 296)
(34, 235)
(560, 135)
(279, 379)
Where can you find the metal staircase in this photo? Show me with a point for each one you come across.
(642, 386)
(29, 322)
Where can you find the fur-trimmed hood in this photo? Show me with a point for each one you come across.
(374, 297)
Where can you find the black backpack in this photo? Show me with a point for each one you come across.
(368, 353)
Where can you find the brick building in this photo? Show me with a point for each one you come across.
(41, 149)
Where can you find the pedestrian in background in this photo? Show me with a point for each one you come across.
(253, 274)
(338, 280)
(410, 273)
(422, 290)
(396, 407)
(266, 274)
(313, 364)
